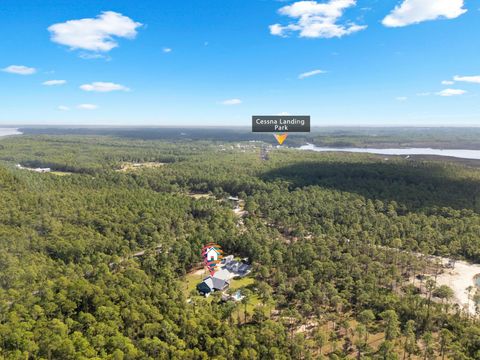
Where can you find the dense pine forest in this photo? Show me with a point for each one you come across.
(438, 138)
(340, 246)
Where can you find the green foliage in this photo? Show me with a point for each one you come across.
(91, 263)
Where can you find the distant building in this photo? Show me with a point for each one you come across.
(42, 170)
(234, 202)
(38, 170)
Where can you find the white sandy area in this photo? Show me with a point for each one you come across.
(201, 271)
(459, 279)
(9, 131)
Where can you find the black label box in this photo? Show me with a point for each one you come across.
(280, 123)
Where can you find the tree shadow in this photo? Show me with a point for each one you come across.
(414, 185)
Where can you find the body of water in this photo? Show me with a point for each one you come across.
(9, 131)
(463, 154)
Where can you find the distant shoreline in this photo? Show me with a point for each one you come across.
(441, 139)
(9, 131)
(456, 153)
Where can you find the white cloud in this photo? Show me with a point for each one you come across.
(63, 108)
(424, 94)
(92, 56)
(310, 73)
(232, 102)
(20, 70)
(316, 20)
(470, 79)
(451, 92)
(284, 114)
(94, 34)
(167, 50)
(447, 82)
(277, 29)
(401, 98)
(103, 87)
(54, 82)
(87, 107)
(416, 11)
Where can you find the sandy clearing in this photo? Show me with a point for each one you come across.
(201, 271)
(201, 196)
(459, 279)
(126, 167)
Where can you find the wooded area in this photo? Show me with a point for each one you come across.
(335, 240)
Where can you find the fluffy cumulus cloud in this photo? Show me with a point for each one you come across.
(19, 70)
(87, 107)
(232, 102)
(416, 11)
(447, 82)
(451, 92)
(94, 34)
(310, 74)
(470, 79)
(54, 82)
(312, 19)
(103, 87)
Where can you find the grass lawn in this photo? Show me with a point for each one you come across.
(240, 283)
(60, 173)
(191, 281)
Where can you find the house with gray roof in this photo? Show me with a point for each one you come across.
(211, 284)
(228, 269)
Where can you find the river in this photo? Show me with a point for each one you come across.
(463, 154)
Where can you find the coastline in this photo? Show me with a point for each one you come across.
(7, 131)
(455, 153)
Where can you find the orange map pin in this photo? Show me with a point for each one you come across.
(280, 138)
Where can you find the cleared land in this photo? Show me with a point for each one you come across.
(460, 279)
(193, 278)
(127, 167)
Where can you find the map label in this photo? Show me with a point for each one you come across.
(280, 123)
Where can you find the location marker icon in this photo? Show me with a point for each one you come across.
(280, 138)
(212, 257)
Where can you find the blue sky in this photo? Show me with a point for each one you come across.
(217, 62)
